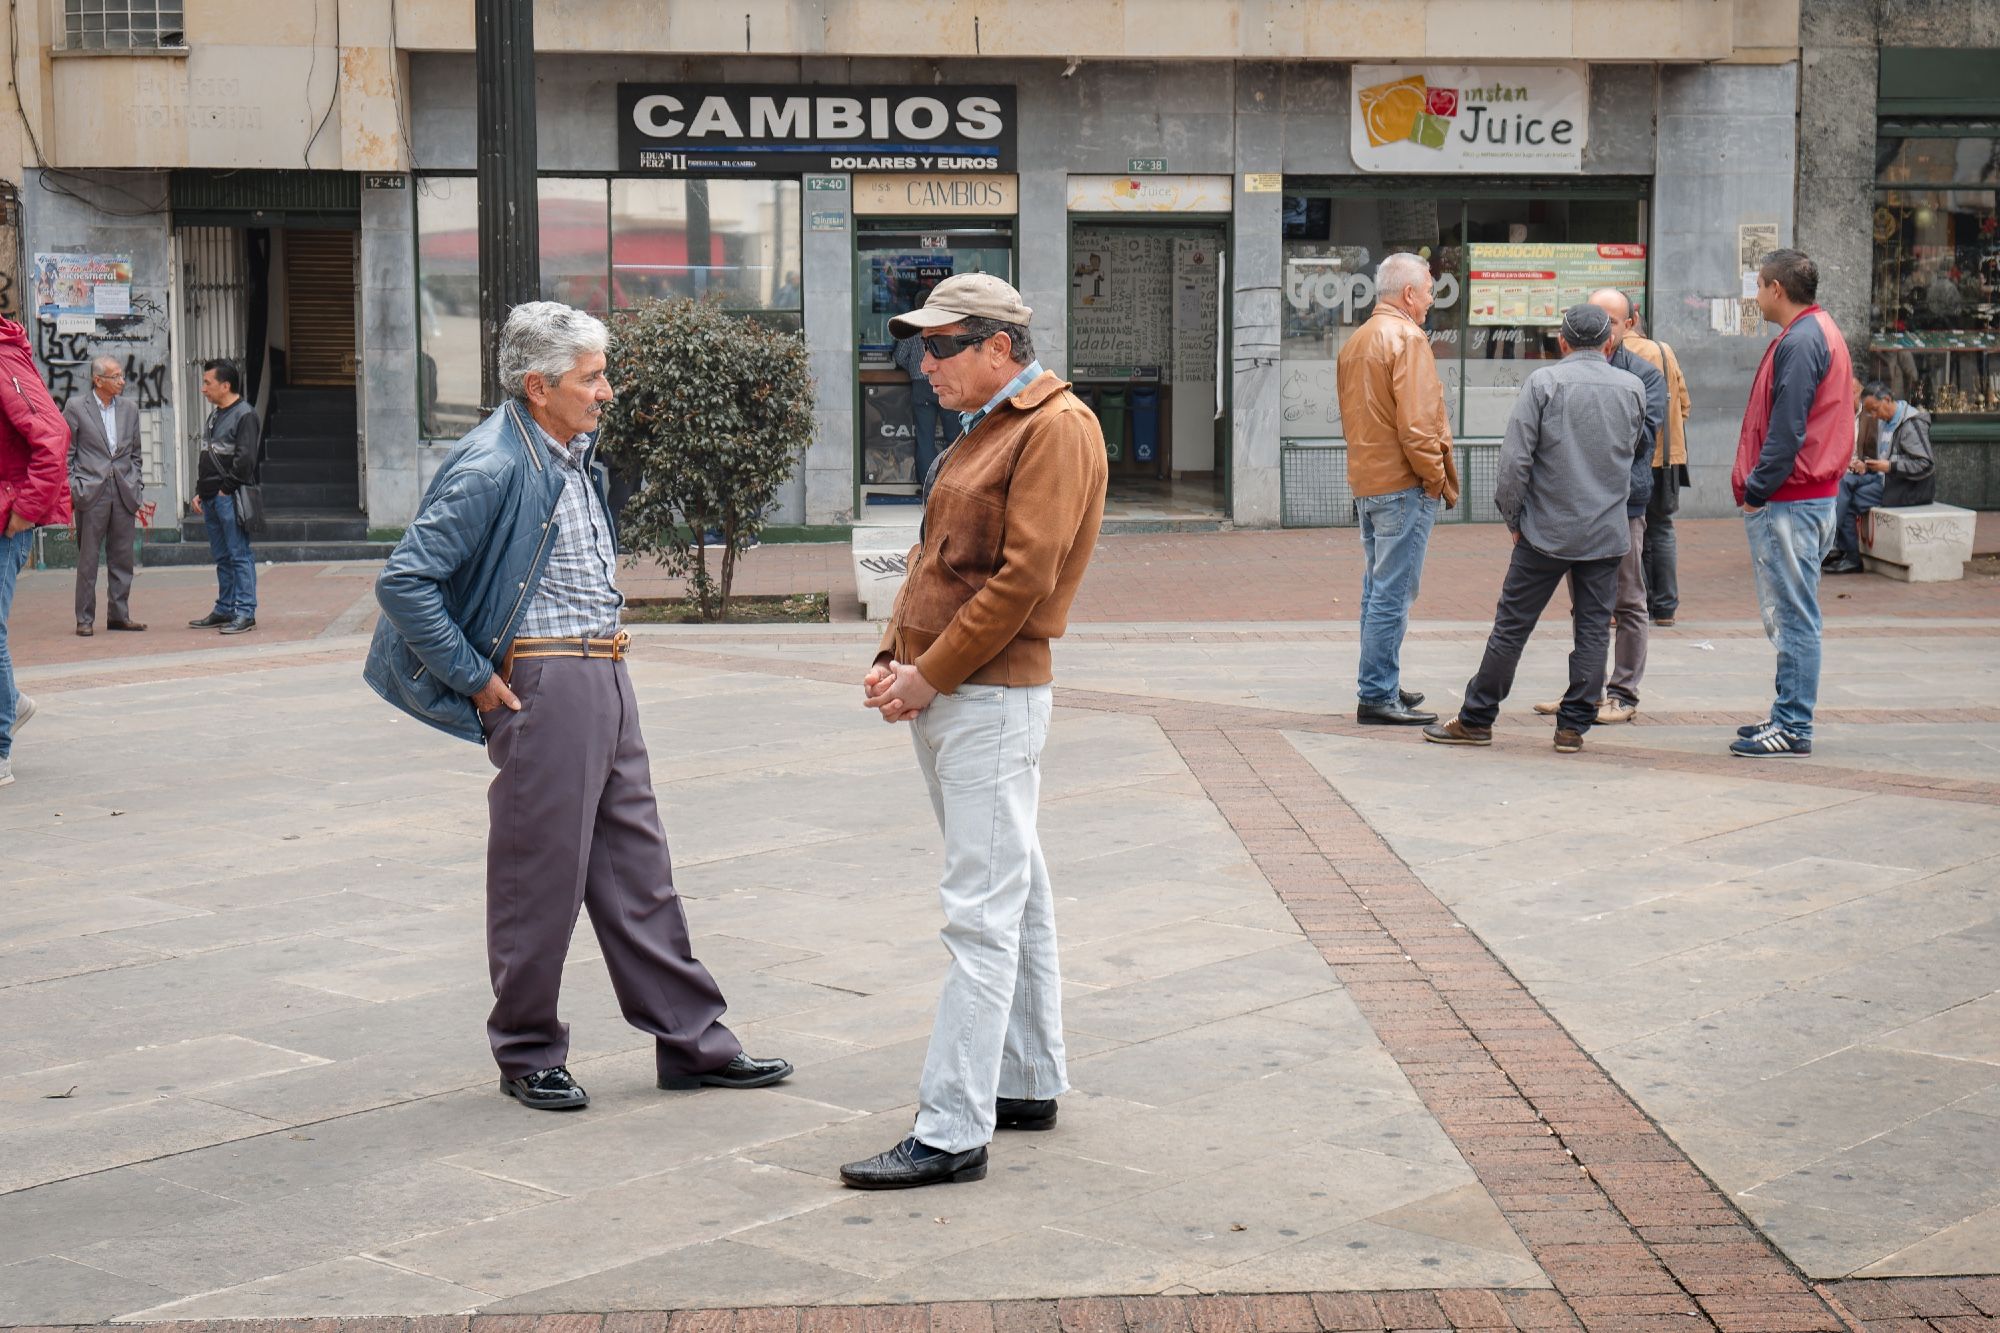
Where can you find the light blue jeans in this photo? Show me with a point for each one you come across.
(1788, 540)
(1395, 533)
(999, 1021)
(14, 553)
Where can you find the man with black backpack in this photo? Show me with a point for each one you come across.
(229, 446)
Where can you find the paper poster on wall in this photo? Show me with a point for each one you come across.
(1469, 118)
(70, 285)
(1534, 283)
(1121, 298)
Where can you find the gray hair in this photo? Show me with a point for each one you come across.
(1398, 273)
(546, 338)
(1021, 341)
(100, 365)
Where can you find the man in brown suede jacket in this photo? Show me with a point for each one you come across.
(1011, 512)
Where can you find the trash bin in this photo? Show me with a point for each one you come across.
(1146, 424)
(1111, 407)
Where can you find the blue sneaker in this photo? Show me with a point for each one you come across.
(1770, 743)
(1753, 728)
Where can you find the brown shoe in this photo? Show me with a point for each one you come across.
(1456, 732)
(132, 626)
(84, 631)
(1555, 706)
(1567, 741)
(1616, 710)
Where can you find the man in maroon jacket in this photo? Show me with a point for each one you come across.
(34, 493)
(1798, 432)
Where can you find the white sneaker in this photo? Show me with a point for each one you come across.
(24, 712)
(6, 771)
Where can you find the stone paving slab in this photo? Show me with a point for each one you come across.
(1220, 1084)
(289, 1030)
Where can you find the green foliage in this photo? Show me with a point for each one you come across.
(713, 412)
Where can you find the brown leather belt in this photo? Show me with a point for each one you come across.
(612, 649)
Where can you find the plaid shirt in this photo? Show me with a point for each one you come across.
(578, 596)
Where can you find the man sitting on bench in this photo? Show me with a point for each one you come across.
(1901, 473)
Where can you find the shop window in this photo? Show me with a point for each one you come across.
(733, 241)
(605, 245)
(1936, 306)
(1503, 269)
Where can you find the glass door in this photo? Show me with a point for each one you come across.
(895, 266)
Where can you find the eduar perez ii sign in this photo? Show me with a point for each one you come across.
(1469, 118)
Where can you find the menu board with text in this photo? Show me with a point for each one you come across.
(1534, 283)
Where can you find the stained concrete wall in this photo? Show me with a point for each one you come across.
(119, 213)
(1727, 137)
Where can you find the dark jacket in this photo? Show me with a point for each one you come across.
(1912, 475)
(230, 443)
(454, 589)
(1655, 385)
(34, 443)
(1798, 428)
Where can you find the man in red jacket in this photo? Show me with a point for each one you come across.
(1798, 432)
(34, 493)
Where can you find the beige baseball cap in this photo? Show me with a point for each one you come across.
(965, 296)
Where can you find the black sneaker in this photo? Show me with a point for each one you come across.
(1772, 742)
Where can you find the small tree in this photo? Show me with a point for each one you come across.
(712, 414)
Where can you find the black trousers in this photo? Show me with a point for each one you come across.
(1531, 581)
(1662, 556)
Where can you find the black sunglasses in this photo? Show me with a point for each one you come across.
(945, 346)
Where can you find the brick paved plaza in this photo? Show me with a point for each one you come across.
(1365, 1034)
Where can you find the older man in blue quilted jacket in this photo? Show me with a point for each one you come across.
(500, 615)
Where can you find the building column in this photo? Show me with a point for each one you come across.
(823, 489)
(1839, 69)
(391, 357)
(1256, 278)
(1042, 241)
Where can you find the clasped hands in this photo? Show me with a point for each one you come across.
(897, 690)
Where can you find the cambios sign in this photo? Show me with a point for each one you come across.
(721, 129)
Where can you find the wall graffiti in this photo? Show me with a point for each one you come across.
(66, 358)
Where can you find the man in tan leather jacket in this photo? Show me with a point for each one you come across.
(1011, 512)
(1400, 469)
(1670, 476)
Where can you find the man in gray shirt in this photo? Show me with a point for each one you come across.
(1565, 474)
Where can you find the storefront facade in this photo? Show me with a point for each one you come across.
(1194, 211)
(1196, 239)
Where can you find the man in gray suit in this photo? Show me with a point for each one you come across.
(107, 488)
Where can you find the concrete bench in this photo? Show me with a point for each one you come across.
(1921, 544)
(880, 551)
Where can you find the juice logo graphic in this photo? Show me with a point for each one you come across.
(1408, 109)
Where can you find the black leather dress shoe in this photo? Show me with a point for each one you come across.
(210, 621)
(547, 1090)
(1846, 564)
(1410, 698)
(1392, 715)
(240, 625)
(910, 1164)
(742, 1072)
(1024, 1113)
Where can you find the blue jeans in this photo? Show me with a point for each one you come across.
(13, 554)
(1859, 493)
(235, 566)
(1788, 540)
(1395, 532)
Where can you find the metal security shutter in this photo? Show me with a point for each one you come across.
(212, 305)
(319, 306)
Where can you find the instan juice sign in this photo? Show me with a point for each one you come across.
(787, 129)
(1469, 118)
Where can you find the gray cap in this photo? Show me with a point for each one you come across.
(965, 296)
(1586, 326)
